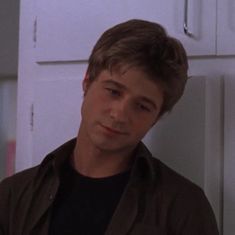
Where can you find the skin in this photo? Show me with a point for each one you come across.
(118, 110)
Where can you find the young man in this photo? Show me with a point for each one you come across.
(106, 181)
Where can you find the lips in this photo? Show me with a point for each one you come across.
(114, 131)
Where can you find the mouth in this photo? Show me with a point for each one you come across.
(113, 131)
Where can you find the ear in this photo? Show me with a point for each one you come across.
(85, 84)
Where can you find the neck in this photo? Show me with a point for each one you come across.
(94, 162)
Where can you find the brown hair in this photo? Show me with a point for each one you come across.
(145, 45)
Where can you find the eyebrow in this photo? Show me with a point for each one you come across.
(122, 87)
(119, 85)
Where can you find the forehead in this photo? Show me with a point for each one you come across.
(135, 82)
(133, 79)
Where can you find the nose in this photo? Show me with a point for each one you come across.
(119, 111)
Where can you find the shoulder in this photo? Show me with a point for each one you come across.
(177, 192)
(33, 175)
(186, 202)
(162, 176)
(26, 176)
(170, 180)
(18, 181)
(12, 192)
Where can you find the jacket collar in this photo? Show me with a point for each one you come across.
(142, 174)
(142, 167)
(56, 158)
(131, 202)
(46, 183)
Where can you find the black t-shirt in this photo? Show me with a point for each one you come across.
(85, 205)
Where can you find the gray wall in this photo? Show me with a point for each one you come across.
(9, 30)
(9, 27)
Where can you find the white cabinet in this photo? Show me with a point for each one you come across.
(226, 27)
(67, 30)
(55, 31)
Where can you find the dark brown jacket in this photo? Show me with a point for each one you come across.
(156, 200)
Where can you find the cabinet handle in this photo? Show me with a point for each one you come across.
(186, 29)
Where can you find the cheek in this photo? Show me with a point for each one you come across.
(92, 105)
(142, 125)
(87, 106)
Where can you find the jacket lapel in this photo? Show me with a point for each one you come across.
(41, 202)
(125, 214)
(131, 202)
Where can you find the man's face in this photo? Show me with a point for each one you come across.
(119, 109)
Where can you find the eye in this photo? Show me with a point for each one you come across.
(113, 92)
(143, 107)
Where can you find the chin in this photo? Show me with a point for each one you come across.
(108, 147)
(115, 147)
(109, 144)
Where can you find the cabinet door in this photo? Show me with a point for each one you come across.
(56, 113)
(226, 27)
(67, 30)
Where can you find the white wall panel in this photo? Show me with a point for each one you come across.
(229, 156)
(189, 139)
